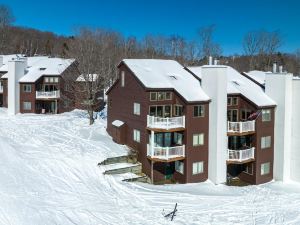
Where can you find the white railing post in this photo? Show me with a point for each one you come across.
(183, 121)
(241, 155)
(183, 150)
(152, 143)
(167, 152)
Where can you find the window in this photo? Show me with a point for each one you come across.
(235, 101)
(153, 96)
(198, 167)
(178, 138)
(160, 96)
(27, 87)
(198, 139)
(265, 168)
(265, 142)
(232, 115)
(67, 87)
(51, 79)
(266, 115)
(229, 101)
(46, 79)
(199, 111)
(26, 105)
(179, 167)
(136, 109)
(168, 96)
(249, 169)
(245, 113)
(55, 79)
(178, 110)
(122, 79)
(136, 135)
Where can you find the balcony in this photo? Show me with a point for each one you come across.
(47, 94)
(169, 123)
(1, 89)
(166, 154)
(240, 156)
(236, 128)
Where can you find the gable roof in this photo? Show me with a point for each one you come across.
(239, 84)
(167, 74)
(257, 76)
(38, 66)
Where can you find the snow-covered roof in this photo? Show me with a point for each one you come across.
(258, 76)
(239, 84)
(117, 123)
(38, 66)
(158, 73)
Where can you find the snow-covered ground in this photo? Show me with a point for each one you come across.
(49, 175)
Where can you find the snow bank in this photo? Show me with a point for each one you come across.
(49, 175)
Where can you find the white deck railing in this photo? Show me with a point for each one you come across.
(240, 155)
(165, 123)
(166, 153)
(1, 89)
(240, 127)
(48, 94)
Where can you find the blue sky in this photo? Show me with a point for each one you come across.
(233, 18)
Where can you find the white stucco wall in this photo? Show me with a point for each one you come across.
(295, 153)
(214, 83)
(279, 88)
(16, 70)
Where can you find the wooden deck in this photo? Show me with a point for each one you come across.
(166, 160)
(229, 161)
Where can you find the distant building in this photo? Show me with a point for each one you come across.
(38, 84)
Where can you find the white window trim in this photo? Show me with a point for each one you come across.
(25, 104)
(136, 108)
(199, 168)
(263, 142)
(199, 137)
(136, 135)
(266, 112)
(262, 168)
(179, 167)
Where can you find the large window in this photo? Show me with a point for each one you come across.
(27, 88)
(245, 113)
(266, 115)
(265, 142)
(160, 96)
(136, 109)
(198, 167)
(160, 110)
(136, 135)
(51, 79)
(198, 110)
(232, 101)
(198, 139)
(265, 168)
(26, 105)
(232, 115)
(179, 167)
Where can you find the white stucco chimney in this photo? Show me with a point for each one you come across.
(215, 62)
(16, 69)
(274, 68)
(279, 87)
(214, 83)
(210, 60)
(280, 69)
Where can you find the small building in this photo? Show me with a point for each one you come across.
(38, 84)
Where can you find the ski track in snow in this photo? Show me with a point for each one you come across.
(49, 175)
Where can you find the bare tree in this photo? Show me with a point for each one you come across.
(6, 19)
(207, 46)
(251, 45)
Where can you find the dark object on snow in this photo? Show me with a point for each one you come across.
(172, 214)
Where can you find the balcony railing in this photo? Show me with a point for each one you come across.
(241, 127)
(166, 153)
(1, 89)
(47, 94)
(240, 155)
(166, 123)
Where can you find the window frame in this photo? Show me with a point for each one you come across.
(122, 78)
(263, 115)
(25, 108)
(200, 136)
(136, 109)
(250, 165)
(179, 167)
(175, 111)
(229, 101)
(263, 141)
(166, 95)
(25, 89)
(136, 135)
(163, 94)
(198, 167)
(235, 103)
(262, 168)
(201, 108)
(153, 100)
